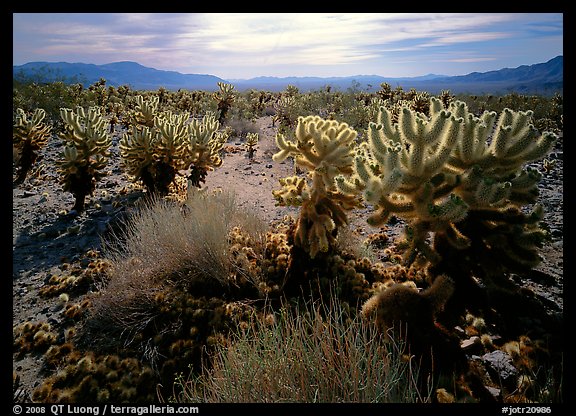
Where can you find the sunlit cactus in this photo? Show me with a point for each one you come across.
(251, 143)
(173, 144)
(421, 102)
(287, 109)
(204, 145)
(455, 176)
(385, 92)
(258, 101)
(225, 97)
(28, 137)
(325, 149)
(146, 110)
(85, 154)
(446, 97)
(154, 155)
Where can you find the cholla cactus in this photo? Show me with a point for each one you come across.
(421, 102)
(146, 110)
(455, 175)
(85, 154)
(155, 155)
(287, 109)
(225, 98)
(251, 143)
(204, 145)
(446, 97)
(258, 101)
(28, 137)
(325, 149)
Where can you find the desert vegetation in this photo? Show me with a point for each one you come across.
(191, 298)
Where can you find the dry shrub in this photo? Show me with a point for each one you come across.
(313, 354)
(180, 243)
(165, 245)
(242, 126)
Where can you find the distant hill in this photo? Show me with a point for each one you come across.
(137, 76)
(543, 78)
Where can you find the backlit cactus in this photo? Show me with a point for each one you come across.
(28, 336)
(251, 143)
(204, 146)
(287, 111)
(225, 97)
(28, 137)
(163, 143)
(154, 150)
(456, 176)
(86, 152)
(146, 110)
(325, 149)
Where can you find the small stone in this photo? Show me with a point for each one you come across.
(501, 363)
(459, 330)
(470, 342)
(494, 392)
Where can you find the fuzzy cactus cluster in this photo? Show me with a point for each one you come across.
(89, 377)
(30, 134)
(33, 336)
(85, 153)
(225, 97)
(161, 144)
(325, 148)
(251, 143)
(204, 148)
(461, 183)
(438, 171)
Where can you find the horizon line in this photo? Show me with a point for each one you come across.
(284, 77)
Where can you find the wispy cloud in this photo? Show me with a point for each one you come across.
(237, 45)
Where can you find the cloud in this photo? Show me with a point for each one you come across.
(223, 43)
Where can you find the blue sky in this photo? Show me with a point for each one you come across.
(246, 45)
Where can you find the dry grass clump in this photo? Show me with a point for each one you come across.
(166, 245)
(313, 354)
(242, 126)
(181, 243)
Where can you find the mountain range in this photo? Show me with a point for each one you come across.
(542, 78)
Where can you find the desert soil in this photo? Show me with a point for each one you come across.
(46, 234)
